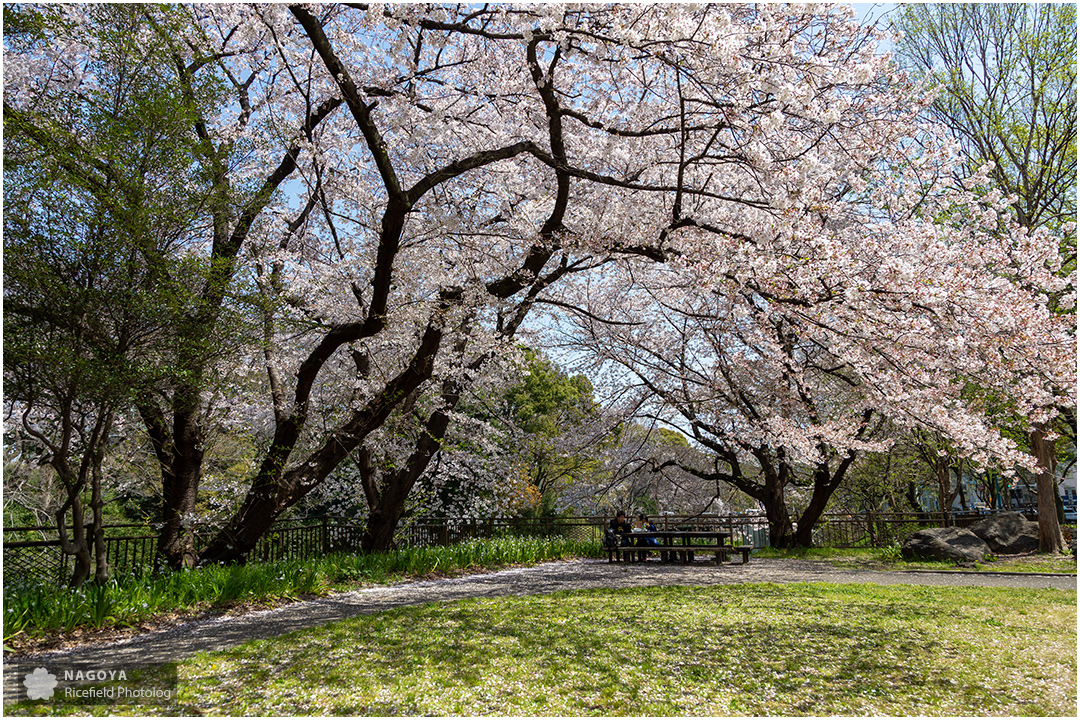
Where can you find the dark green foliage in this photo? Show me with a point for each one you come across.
(547, 399)
(107, 184)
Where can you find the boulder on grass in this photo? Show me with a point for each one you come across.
(1008, 533)
(948, 543)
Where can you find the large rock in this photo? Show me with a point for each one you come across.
(948, 543)
(1008, 533)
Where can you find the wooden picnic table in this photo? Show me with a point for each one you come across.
(676, 544)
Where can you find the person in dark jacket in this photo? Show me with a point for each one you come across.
(621, 526)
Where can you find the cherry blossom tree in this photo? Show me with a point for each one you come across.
(449, 168)
(489, 153)
(779, 387)
(1007, 92)
(854, 283)
(773, 409)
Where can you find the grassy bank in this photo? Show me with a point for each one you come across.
(35, 611)
(716, 651)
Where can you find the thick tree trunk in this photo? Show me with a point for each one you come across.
(387, 495)
(770, 493)
(180, 488)
(179, 451)
(823, 490)
(781, 531)
(381, 527)
(1050, 537)
(239, 536)
(826, 481)
(76, 545)
(82, 566)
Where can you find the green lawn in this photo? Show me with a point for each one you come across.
(890, 559)
(727, 650)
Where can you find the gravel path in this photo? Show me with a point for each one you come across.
(181, 641)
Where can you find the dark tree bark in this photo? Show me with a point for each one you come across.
(1050, 537)
(826, 481)
(781, 528)
(275, 490)
(76, 545)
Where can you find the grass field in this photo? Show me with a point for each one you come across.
(719, 651)
(890, 559)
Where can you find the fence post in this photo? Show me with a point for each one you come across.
(870, 527)
(325, 535)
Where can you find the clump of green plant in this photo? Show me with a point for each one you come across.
(890, 554)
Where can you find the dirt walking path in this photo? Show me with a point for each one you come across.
(184, 640)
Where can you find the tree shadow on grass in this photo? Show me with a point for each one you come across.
(749, 648)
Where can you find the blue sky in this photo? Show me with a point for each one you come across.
(868, 12)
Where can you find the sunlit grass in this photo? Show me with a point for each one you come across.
(890, 559)
(717, 651)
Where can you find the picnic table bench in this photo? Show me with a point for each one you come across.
(675, 545)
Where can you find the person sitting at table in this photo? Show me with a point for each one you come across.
(646, 525)
(621, 526)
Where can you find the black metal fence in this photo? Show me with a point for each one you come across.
(131, 547)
